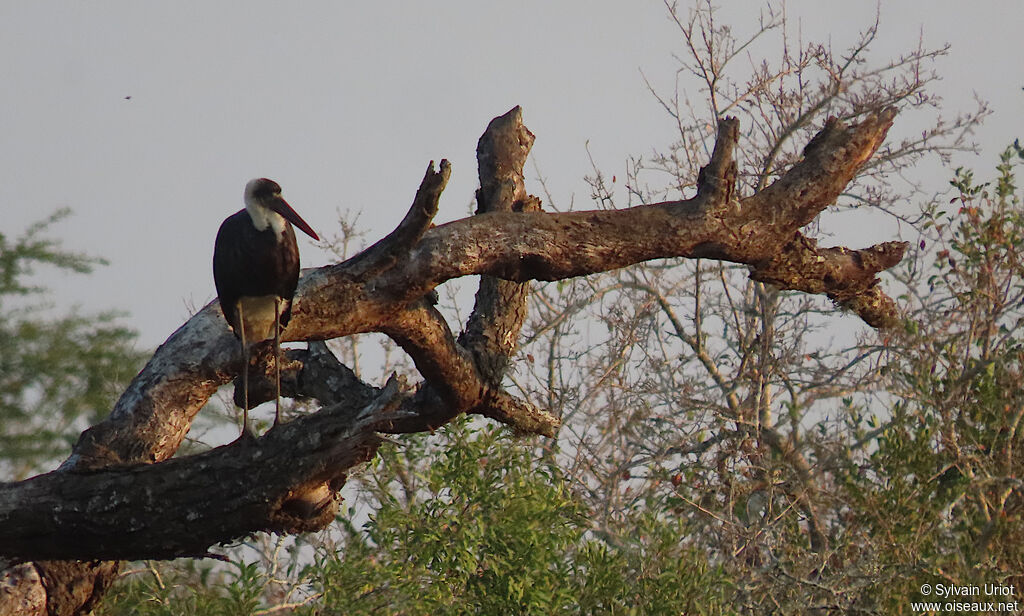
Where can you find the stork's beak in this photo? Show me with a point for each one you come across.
(279, 205)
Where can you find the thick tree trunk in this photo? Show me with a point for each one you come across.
(120, 497)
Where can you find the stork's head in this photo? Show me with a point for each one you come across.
(267, 208)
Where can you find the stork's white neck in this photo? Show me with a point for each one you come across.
(263, 217)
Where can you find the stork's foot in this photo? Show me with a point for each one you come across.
(247, 435)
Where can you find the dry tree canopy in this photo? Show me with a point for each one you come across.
(119, 496)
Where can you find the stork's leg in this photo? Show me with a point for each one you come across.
(246, 431)
(277, 359)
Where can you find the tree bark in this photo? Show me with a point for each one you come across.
(118, 496)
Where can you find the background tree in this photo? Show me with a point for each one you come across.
(58, 374)
(699, 392)
(948, 457)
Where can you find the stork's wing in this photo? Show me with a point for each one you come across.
(251, 263)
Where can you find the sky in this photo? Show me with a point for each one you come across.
(148, 118)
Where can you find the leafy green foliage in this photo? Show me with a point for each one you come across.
(476, 524)
(479, 524)
(651, 573)
(938, 498)
(189, 590)
(57, 375)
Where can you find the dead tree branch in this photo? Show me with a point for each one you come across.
(285, 481)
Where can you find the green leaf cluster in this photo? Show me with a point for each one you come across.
(481, 524)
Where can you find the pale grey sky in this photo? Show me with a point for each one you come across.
(344, 106)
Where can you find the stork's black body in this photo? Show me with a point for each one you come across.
(256, 271)
(252, 263)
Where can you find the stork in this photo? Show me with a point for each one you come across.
(256, 270)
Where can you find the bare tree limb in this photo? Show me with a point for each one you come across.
(284, 482)
(395, 245)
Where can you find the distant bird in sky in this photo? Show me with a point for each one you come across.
(256, 271)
